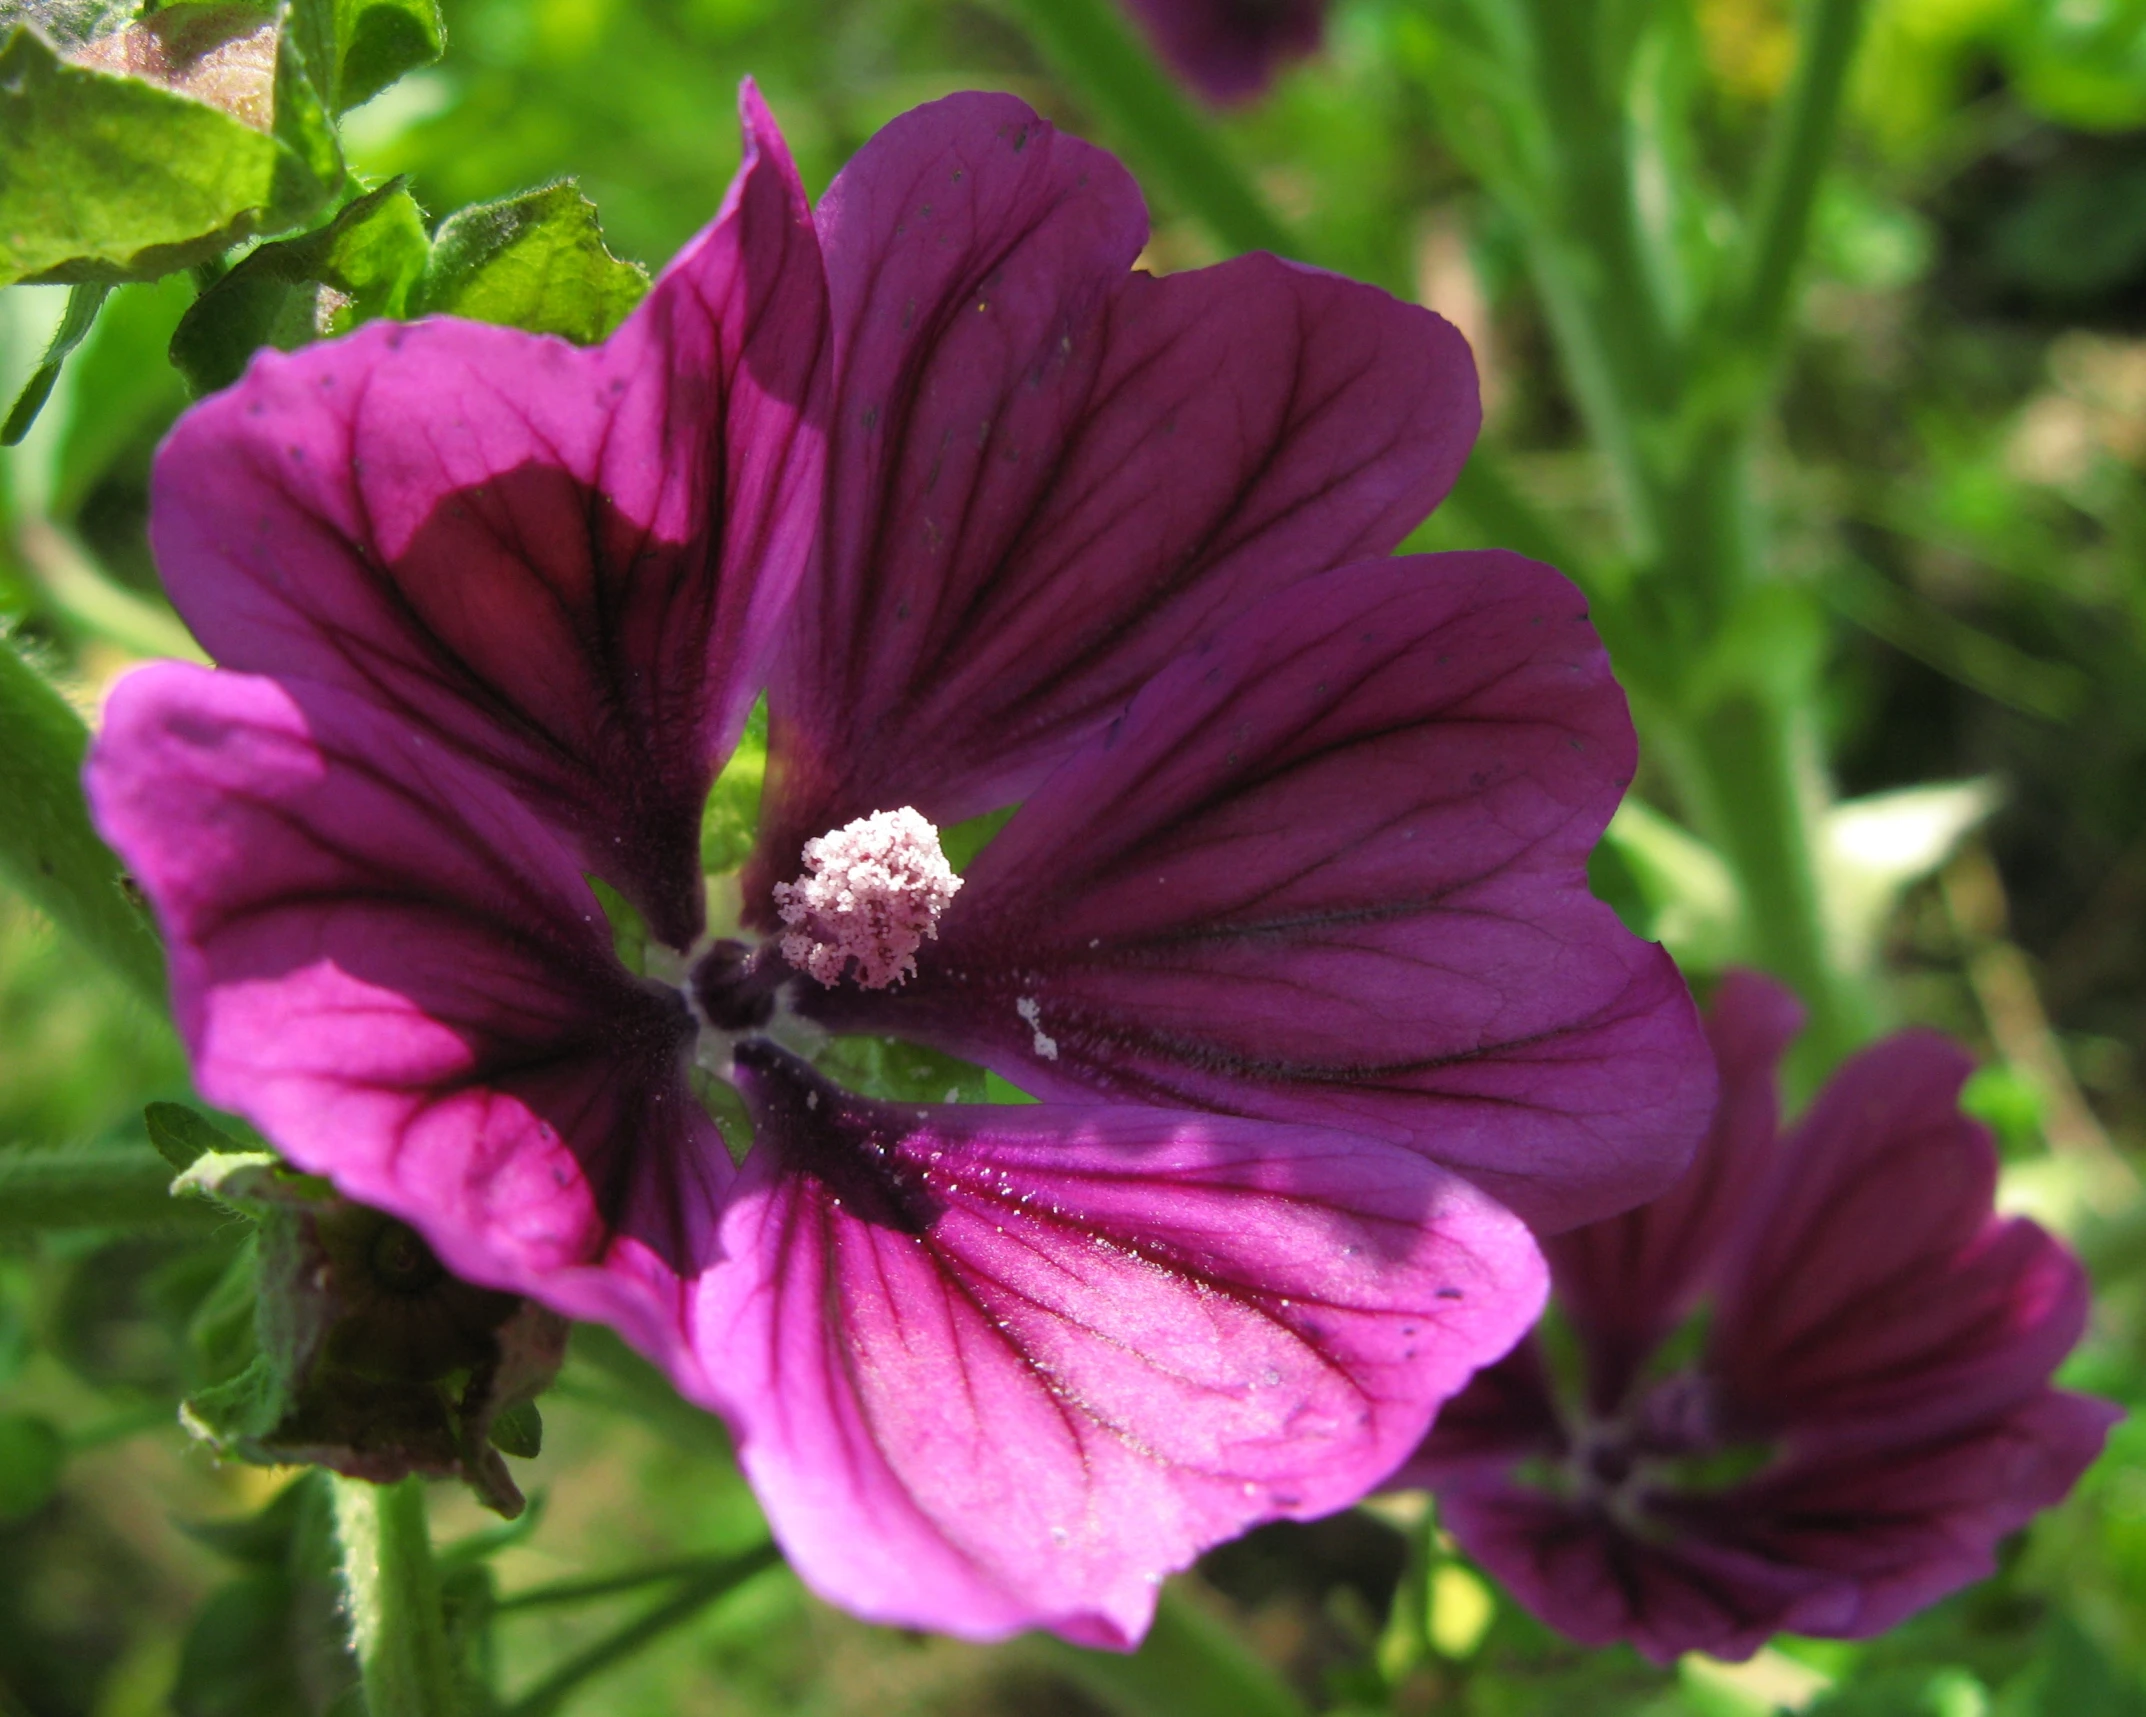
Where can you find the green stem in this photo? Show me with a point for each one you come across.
(1589, 256)
(1796, 159)
(609, 1585)
(397, 1626)
(47, 847)
(688, 1601)
(1747, 768)
(1190, 1665)
(100, 1187)
(1095, 45)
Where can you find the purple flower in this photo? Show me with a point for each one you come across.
(1229, 49)
(1291, 926)
(1865, 1414)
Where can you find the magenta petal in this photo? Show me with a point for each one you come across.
(1230, 49)
(1049, 473)
(569, 563)
(399, 975)
(1000, 1368)
(1332, 869)
(1878, 1286)
(1627, 1282)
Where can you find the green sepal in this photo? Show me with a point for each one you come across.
(536, 261)
(732, 814)
(83, 303)
(370, 257)
(372, 1360)
(519, 1431)
(105, 177)
(899, 1072)
(630, 934)
(182, 1136)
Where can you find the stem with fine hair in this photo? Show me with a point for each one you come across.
(397, 1626)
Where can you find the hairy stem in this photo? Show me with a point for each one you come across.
(397, 1627)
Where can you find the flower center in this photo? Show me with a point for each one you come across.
(869, 898)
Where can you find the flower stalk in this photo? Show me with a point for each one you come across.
(397, 1626)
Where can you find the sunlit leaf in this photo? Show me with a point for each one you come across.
(362, 264)
(536, 261)
(109, 177)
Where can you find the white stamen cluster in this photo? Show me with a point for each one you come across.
(872, 893)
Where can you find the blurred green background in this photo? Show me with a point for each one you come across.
(1958, 481)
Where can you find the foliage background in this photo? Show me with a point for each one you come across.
(1954, 486)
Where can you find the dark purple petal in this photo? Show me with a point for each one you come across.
(397, 972)
(1876, 1285)
(1627, 1282)
(1907, 1523)
(1331, 869)
(1578, 1570)
(568, 563)
(1230, 49)
(1000, 1368)
(1048, 473)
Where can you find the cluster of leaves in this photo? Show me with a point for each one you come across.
(163, 140)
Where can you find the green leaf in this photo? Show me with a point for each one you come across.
(32, 1453)
(536, 261)
(47, 847)
(110, 177)
(311, 170)
(380, 40)
(888, 1068)
(83, 303)
(182, 1137)
(362, 264)
(70, 23)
